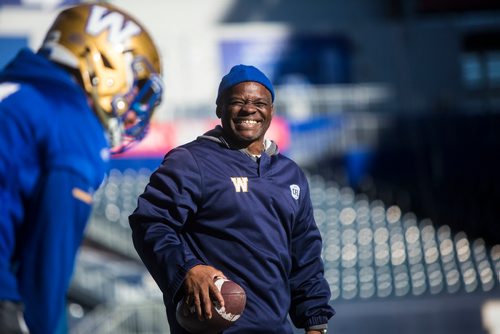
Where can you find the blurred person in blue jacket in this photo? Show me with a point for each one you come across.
(229, 204)
(90, 90)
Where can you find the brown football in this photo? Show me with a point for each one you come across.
(222, 318)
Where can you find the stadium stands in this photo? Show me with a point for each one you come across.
(372, 253)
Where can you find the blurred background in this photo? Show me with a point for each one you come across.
(392, 107)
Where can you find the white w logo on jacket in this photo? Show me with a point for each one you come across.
(240, 184)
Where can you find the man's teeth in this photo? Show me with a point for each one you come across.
(248, 122)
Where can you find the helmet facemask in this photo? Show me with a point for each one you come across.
(127, 115)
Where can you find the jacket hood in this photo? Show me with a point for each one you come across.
(217, 135)
(38, 70)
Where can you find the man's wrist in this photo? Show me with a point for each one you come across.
(323, 329)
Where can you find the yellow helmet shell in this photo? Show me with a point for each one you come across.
(114, 55)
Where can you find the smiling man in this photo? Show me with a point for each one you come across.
(230, 205)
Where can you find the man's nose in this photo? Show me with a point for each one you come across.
(249, 107)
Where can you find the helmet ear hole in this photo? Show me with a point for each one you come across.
(106, 62)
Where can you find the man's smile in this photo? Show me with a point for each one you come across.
(246, 121)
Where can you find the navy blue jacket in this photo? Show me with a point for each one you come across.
(210, 204)
(53, 153)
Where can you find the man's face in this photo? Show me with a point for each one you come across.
(246, 112)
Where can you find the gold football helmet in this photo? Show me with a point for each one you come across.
(118, 64)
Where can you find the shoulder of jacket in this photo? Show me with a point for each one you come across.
(19, 99)
(200, 146)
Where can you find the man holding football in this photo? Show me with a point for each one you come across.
(228, 204)
(91, 87)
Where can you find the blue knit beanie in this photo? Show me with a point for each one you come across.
(242, 73)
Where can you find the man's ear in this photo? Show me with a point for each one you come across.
(218, 111)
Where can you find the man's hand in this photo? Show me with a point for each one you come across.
(200, 288)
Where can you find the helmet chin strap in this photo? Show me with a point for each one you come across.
(111, 124)
(115, 132)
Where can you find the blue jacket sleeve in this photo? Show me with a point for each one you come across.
(55, 233)
(310, 290)
(169, 200)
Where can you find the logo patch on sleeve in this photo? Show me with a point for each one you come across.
(82, 195)
(295, 191)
